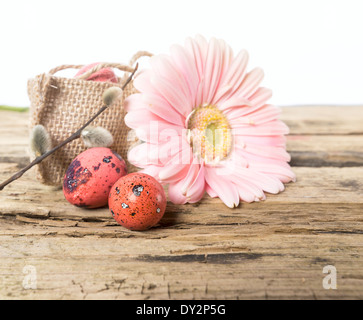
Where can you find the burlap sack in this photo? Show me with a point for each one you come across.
(63, 105)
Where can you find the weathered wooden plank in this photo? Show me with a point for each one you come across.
(305, 150)
(266, 266)
(328, 120)
(273, 249)
(325, 150)
(331, 120)
(312, 149)
(316, 201)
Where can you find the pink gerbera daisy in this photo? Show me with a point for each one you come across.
(206, 126)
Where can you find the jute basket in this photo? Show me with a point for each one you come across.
(63, 105)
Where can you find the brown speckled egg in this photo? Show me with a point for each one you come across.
(137, 201)
(90, 177)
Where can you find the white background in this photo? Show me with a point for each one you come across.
(311, 51)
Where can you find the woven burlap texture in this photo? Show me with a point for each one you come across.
(63, 105)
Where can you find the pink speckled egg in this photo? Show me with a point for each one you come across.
(90, 177)
(137, 201)
(102, 75)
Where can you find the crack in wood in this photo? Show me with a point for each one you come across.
(320, 159)
(214, 258)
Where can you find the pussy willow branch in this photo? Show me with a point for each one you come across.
(74, 136)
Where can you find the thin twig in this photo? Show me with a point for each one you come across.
(74, 136)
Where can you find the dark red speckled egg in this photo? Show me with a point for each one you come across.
(137, 201)
(91, 175)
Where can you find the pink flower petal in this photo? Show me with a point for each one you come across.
(235, 158)
(264, 181)
(172, 94)
(173, 172)
(174, 193)
(250, 83)
(134, 121)
(151, 131)
(152, 171)
(248, 189)
(278, 153)
(198, 48)
(142, 82)
(236, 72)
(270, 128)
(260, 97)
(154, 104)
(169, 149)
(256, 101)
(284, 173)
(212, 72)
(210, 191)
(222, 94)
(221, 185)
(273, 141)
(161, 108)
(231, 104)
(266, 114)
(197, 189)
(199, 96)
(242, 112)
(164, 67)
(184, 62)
(177, 168)
(227, 57)
(252, 188)
(245, 194)
(159, 154)
(143, 155)
(134, 102)
(190, 177)
(252, 158)
(283, 178)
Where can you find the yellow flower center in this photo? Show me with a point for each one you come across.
(209, 134)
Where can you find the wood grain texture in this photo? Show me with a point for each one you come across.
(275, 249)
(328, 120)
